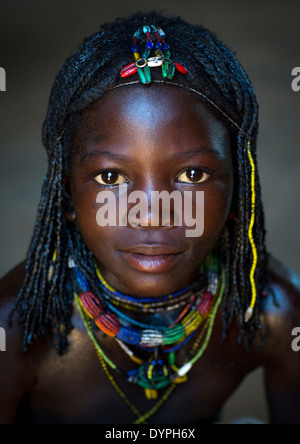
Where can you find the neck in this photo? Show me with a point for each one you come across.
(158, 312)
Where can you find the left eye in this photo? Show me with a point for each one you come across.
(193, 175)
(110, 178)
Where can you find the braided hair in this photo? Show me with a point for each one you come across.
(45, 303)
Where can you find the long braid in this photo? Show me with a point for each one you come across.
(87, 74)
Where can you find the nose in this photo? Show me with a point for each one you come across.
(154, 208)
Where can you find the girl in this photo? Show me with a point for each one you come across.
(138, 322)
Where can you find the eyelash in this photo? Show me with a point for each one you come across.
(207, 171)
(108, 170)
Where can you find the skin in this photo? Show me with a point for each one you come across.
(149, 141)
(149, 125)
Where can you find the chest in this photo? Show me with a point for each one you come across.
(77, 389)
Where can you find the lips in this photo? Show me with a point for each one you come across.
(152, 258)
(153, 249)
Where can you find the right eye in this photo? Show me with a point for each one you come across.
(110, 178)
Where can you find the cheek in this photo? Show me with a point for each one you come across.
(217, 205)
(86, 207)
(101, 241)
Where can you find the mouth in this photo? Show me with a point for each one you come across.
(152, 258)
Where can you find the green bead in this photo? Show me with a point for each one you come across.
(163, 384)
(146, 53)
(173, 335)
(172, 359)
(142, 75)
(147, 74)
(170, 71)
(164, 70)
(158, 386)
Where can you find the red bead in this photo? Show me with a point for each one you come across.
(180, 68)
(131, 65)
(205, 304)
(91, 304)
(109, 324)
(129, 72)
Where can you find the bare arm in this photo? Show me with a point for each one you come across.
(16, 376)
(282, 366)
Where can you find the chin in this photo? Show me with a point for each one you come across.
(154, 285)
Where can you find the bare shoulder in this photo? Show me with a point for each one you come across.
(281, 360)
(10, 285)
(17, 374)
(281, 318)
(281, 310)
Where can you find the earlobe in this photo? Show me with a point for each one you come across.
(70, 216)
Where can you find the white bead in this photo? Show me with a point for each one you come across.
(151, 338)
(248, 314)
(161, 32)
(50, 273)
(71, 262)
(153, 62)
(184, 369)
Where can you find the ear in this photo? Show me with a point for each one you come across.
(67, 200)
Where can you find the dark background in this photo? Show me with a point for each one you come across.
(37, 36)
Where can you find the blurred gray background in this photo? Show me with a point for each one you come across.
(36, 36)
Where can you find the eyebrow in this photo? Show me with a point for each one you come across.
(202, 150)
(88, 156)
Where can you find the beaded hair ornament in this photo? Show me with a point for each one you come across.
(154, 39)
(155, 42)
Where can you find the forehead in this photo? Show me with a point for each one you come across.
(153, 115)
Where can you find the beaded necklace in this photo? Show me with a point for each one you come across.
(111, 324)
(182, 372)
(149, 305)
(154, 374)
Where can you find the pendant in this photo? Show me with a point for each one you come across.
(154, 375)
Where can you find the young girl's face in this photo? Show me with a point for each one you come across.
(156, 138)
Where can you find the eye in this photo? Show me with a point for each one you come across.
(193, 175)
(110, 178)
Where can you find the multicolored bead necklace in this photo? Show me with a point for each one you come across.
(113, 325)
(153, 39)
(147, 305)
(153, 374)
(196, 353)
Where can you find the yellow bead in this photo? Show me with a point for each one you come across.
(136, 56)
(151, 394)
(136, 360)
(180, 380)
(54, 255)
